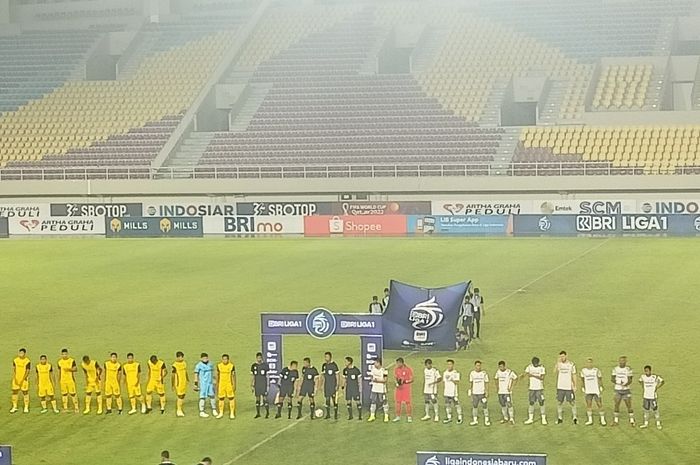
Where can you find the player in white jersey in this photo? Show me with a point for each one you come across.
(451, 392)
(379, 377)
(479, 392)
(430, 390)
(535, 373)
(592, 388)
(566, 386)
(505, 378)
(622, 379)
(651, 383)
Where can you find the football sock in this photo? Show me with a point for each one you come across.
(162, 402)
(64, 402)
(257, 407)
(149, 401)
(359, 410)
(542, 410)
(299, 409)
(202, 403)
(74, 399)
(573, 410)
(178, 404)
(99, 402)
(15, 400)
(427, 409)
(511, 413)
(53, 404)
(267, 407)
(132, 401)
(43, 404)
(504, 412)
(212, 402)
(459, 410)
(109, 403)
(349, 405)
(120, 403)
(560, 411)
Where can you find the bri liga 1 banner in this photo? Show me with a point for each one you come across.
(422, 318)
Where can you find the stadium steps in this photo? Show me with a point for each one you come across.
(654, 95)
(506, 150)
(190, 151)
(369, 67)
(491, 116)
(426, 53)
(695, 102)
(552, 104)
(242, 119)
(143, 50)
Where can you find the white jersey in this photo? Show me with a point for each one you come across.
(505, 379)
(432, 376)
(451, 378)
(478, 380)
(622, 377)
(650, 384)
(591, 380)
(565, 371)
(535, 384)
(379, 374)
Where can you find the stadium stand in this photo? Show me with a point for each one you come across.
(314, 94)
(33, 64)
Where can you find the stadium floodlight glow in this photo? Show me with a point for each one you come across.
(321, 323)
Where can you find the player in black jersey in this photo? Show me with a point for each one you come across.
(331, 378)
(309, 381)
(258, 384)
(288, 380)
(351, 385)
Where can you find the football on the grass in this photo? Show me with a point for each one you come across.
(318, 413)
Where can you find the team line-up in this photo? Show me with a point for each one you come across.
(218, 381)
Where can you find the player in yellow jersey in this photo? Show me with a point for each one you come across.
(180, 380)
(132, 379)
(156, 383)
(44, 382)
(113, 377)
(226, 385)
(20, 380)
(66, 379)
(93, 374)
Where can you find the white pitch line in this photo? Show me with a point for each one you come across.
(288, 427)
(501, 300)
(553, 270)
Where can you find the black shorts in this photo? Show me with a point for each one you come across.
(260, 391)
(352, 394)
(307, 390)
(330, 390)
(286, 391)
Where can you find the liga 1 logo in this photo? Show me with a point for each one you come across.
(424, 316)
(321, 323)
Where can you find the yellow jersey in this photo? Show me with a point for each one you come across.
(180, 369)
(112, 370)
(131, 370)
(156, 371)
(44, 371)
(90, 369)
(21, 367)
(66, 366)
(225, 370)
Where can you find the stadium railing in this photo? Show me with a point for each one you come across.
(333, 171)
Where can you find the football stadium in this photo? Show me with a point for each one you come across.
(397, 232)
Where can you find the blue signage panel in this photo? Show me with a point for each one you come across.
(470, 458)
(459, 225)
(625, 224)
(5, 455)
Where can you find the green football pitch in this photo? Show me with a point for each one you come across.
(592, 297)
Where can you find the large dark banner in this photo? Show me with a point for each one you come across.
(422, 318)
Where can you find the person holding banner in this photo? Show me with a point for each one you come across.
(478, 303)
(403, 374)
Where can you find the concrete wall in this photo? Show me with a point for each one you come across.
(379, 188)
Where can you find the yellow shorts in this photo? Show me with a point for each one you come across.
(68, 387)
(92, 386)
(181, 389)
(46, 390)
(134, 391)
(112, 388)
(226, 391)
(154, 386)
(23, 387)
